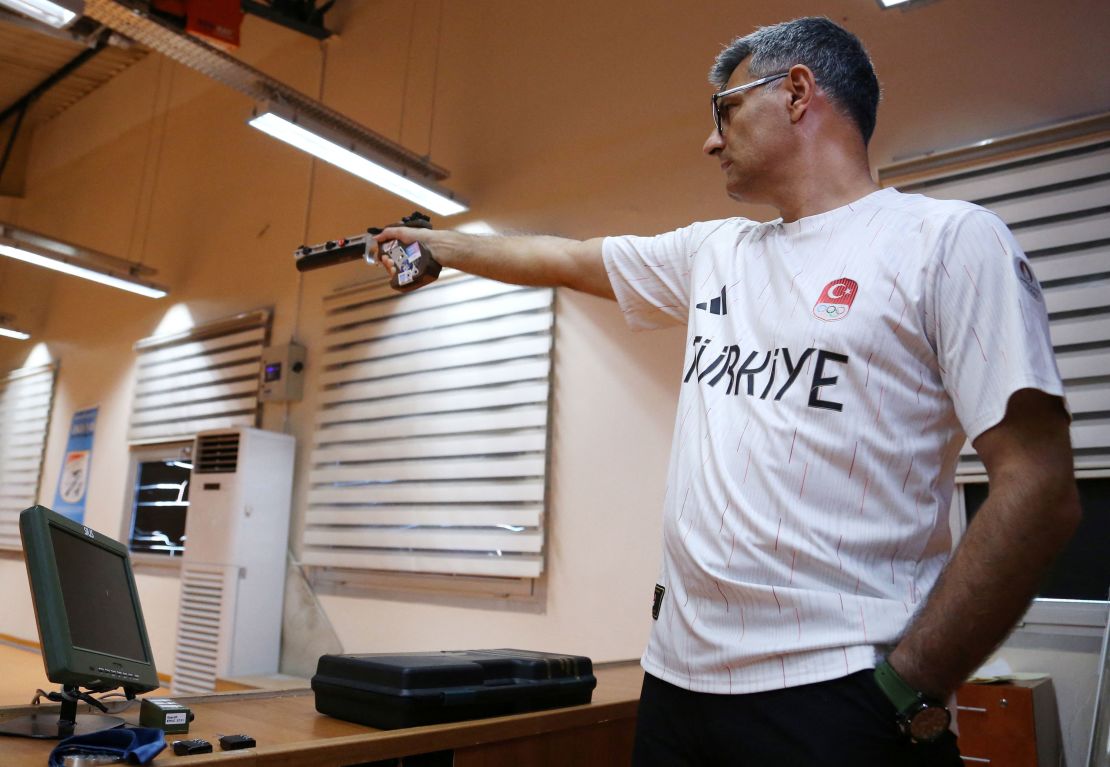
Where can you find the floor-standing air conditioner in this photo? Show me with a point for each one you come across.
(233, 568)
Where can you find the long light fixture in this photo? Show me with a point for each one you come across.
(49, 253)
(58, 14)
(288, 114)
(300, 130)
(7, 331)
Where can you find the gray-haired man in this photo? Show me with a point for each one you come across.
(836, 358)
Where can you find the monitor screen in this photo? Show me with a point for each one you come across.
(86, 605)
(97, 597)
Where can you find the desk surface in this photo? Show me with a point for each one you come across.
(290, 733)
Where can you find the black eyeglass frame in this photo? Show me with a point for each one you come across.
(715, 99)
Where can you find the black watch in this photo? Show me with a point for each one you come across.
(921, 718)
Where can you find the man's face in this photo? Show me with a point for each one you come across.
(750, 140)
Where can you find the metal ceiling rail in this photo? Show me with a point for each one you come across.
(130, 19)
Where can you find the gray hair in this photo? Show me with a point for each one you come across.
(836, 57)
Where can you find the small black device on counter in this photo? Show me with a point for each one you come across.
(192, 747)
(236, 742)
(389, 691)
(166, 714)
(415, 264)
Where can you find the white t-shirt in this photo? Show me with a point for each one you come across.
(833, 367)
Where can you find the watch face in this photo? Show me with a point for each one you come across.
(929, 723)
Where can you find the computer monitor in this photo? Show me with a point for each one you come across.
(90, 622)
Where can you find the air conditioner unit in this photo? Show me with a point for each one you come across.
(233, 568)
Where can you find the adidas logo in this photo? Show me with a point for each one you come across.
(714, 306)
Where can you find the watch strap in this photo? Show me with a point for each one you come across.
(895, 687)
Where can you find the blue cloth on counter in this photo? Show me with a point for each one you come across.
(135, 745)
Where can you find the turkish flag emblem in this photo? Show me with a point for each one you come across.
(835, 300)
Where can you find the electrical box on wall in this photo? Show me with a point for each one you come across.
(281, 377)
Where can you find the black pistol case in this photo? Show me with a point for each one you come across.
(412, 689)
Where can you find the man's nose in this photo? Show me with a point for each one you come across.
(714, 143)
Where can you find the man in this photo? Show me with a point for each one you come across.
(836, 358)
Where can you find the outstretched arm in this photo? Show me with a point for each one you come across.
(1030, 513)
(528, 260)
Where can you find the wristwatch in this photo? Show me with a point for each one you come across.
(921, 718)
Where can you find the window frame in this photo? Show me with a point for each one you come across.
(224, 355)
(38, 437)
(525, 593)
(137, 455)
(203, 342)
(950, 166)
(1045, 615)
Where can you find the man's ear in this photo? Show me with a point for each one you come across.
(801, 86)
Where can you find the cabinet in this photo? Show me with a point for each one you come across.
(1013, 724)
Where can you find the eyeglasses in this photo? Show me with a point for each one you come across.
(716, 97)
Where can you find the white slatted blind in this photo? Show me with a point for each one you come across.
(1057, 204)
(206, 378)
(25, 399)
(430, 449)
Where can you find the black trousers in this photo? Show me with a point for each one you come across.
(845, 722)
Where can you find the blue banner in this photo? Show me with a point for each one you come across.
(73, 481)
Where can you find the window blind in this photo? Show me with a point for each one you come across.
(430, 451)
(1057, 203)
(26, 396)
(205, 378)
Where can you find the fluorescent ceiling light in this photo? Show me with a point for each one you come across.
(892, 3)
(299, 131)
(79, 271)
(48, 253)
(18, 335)
(57, 14)
(7, 331)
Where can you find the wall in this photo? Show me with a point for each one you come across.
(159, 166)
(574, 118)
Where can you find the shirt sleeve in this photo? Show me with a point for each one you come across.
(651, 277)
(991, 332)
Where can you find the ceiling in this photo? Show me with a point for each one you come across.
(29, 55)
(59, 67)
(953, 71)
(614, 91)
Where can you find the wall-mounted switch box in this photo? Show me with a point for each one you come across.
(281, 377)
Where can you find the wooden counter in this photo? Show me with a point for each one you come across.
(290, 733)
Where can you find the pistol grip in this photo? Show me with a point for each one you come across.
(415, 266)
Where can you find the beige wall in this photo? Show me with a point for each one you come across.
(159, 166)
(572, 118)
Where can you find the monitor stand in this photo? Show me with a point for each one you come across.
(56, 726)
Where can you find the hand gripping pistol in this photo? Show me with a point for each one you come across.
(415, 265)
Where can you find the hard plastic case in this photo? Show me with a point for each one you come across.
(389, 691)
